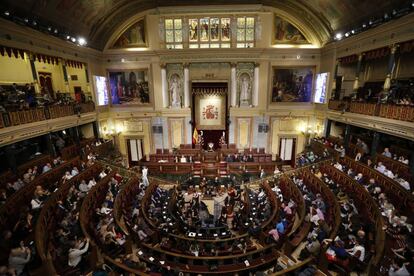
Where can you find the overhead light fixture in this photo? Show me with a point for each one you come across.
(6, 13)
(353, 31)
(34, 23)
(73, 39)
(364, 25)
(68, 37)
(49, 29)
(338, 36)
(26, 20)
(55, 31)
(82, 41)
(346, 34)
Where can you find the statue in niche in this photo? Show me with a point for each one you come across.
(245, 89)
(175, 90)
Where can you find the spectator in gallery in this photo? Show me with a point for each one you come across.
(18, 258)
(387, 153)
(380, 167)
(340, 150)
(361, 144)
(183, 159)
(75, 253)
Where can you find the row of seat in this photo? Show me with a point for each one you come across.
(48, 218)
(367, 206)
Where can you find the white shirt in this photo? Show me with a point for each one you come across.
(102, 175)
(183, 160)
(105, 210)
(381, 168)
(36, 203)
(75, 255)
(74, 172)
(356, 249)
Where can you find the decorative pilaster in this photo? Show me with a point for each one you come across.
(255, 98)
(358, 70)
(233, 84)
(164, 88)
(186, 85)
(390, 68)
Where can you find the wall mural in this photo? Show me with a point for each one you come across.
(175, 77)
(292, 84)
(134, 36)
(286, 33)
(245, 77)
(129, 87)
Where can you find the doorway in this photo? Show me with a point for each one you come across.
(46, 86)
(287, 150)
(135, 151)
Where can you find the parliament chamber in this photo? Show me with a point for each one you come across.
(221, 138)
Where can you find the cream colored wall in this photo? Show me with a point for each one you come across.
(282, 128)
(15, 70)
(58, 81)
(80, 72)
(87, 131)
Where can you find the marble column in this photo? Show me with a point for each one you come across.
(255, 99)
(95, 127)
(49, 144)
(233, 83)
(390, 68)
(164, 88)
(347, 136)
(186, 85)
(358, 70)
(375, 143)
(328, 128)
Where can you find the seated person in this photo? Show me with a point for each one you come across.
(387, 153)
(183, 159)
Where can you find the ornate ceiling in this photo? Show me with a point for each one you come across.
(98, 19)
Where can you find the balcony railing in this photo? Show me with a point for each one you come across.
(20, 117)
(389, 111)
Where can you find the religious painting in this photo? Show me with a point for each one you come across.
(292, 84)
(286, 33)
(134, 36)
(129, 87)
(210, 111)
